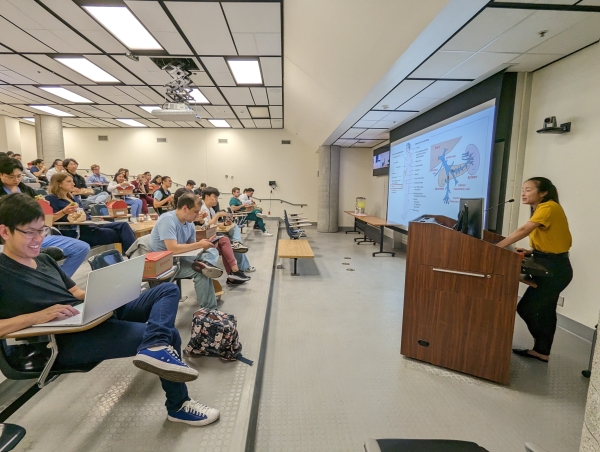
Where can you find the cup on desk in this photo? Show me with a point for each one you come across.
(140, 218)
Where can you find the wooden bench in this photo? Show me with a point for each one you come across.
(294, 249)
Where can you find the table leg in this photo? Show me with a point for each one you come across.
(295, 263)
(354, 231)
(381, 236)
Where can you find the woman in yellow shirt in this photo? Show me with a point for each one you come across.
(550, 241)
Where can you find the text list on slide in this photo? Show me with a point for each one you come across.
(430, 172)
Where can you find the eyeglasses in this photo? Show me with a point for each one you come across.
(12, 177)
(33, 233)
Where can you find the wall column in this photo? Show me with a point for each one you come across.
(49, 138)
(10, 135)
(329, 189)
(590, 436)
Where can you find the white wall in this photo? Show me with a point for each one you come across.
(251, 158)
(569, 90)
(355, 178)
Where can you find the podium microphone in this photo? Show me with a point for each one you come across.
(498, 205)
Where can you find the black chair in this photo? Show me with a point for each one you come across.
(105, 259)
(99, 210)
(10, 436)
(294, 234)
(40, 191)
(421, 445)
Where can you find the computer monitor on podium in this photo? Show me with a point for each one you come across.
(470, 217)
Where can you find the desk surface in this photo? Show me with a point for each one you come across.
(46, 330)
(294, 249)
(143, 226)
(221, 228)
(369, 219)
(86, 222)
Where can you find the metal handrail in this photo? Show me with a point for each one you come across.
(280, 200)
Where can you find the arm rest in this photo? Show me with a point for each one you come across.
(46, 330)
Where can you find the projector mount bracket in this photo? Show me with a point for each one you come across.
(178, 90)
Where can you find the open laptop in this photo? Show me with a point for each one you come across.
(107, 289)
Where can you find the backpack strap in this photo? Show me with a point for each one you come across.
(244, 360)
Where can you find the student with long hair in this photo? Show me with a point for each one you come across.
(64, 203)
(550, 241)
(135, 203)
(140, 185)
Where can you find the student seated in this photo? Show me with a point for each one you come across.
(252, 214)
(135, 203)
(175, 231)
(143, 328)
(38, 169)
(71, 166)
(96, 179)
(64, 203)
(10, 182)
(163, 199)
(199, 190)
(57, 167)
(142, 188)
(189, 185)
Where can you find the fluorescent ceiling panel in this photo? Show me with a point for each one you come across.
(51, 110)
(259, 112)
(131, 122)
(245, 72)
(149, 108)
(88, 69)
(219, 123)
(29, 119)
(199, 97)
(66, 94)
(124, 26)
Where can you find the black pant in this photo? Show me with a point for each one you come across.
(538, 306)
(105, 234)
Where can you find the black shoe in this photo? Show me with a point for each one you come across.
(234, 282)
(256, 226)
(525, 353)
(239, 276)
(208, 270)
(54, 252)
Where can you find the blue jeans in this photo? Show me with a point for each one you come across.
(136, 206)
(148, 321)
(75, 251)
(95, 199)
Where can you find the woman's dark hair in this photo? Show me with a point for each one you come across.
(545, 185)
(36, 162)
(210, 191)
(54, 162)
(154, 181)
(119, 172)
(10, 153)
(19, 209)
(8, 165)
(146, 172)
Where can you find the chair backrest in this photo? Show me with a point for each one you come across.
(41, 191)
(105, 259)
(100, 209)
(292, 233)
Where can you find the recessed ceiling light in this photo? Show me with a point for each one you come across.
(124, 26)
(245, 72)
(132, 122)
(88, 69)
(149, 108)
(65, 94)
(259, 112)
(219, 123)
(198, 96)
(29, 119)
(51, 110)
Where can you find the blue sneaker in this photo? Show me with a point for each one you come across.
(194, 413)
(166, 364)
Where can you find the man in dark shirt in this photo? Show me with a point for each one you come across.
(33, 290)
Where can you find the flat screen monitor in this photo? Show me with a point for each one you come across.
(470, 217)
(432, 169)
(381, 161)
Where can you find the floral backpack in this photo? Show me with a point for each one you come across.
(214, 333)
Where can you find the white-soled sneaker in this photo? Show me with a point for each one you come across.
(250, 270)
(194, 413)
(165, 363)
(262, 215)
(267, 234)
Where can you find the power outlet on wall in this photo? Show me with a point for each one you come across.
(561, 301)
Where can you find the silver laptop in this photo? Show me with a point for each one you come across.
(107, 289)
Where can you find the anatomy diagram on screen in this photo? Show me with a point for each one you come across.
(447, 172)
(407, 179)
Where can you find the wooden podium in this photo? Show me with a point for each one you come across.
(460, 299)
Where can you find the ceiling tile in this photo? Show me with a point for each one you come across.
(486, 27)
(547, 2)
(117, 111)
(80, 20)
(245, 43)
(529, 62)
(590, 3)
(52, 65)
(403, 92)
(213, 95)
(371, 134)
(114, 69)
(524, 35)
(145, 69)
(200, 111)
(242, 111)
(480, 64)
(365, 124)
(276, 112)
(29, 69)
(439, 64)
(15, 111)
(151, 94)
(271, 70)
(206, 124)
(276, 123)
(253, 17)
(204, 26)
(275, 96)
(573, 38)
(195, 124)
(219, 71)
(132, 92)
(375, 115)
(18, 40)
(441, 88)
(260, 95)
(201, 79)
(162, 123)
(353, 132)
(248, 123)
(234, 123)
(399, 116)
(39, 96)
(158, 23)
(113, 94)
(419, 103)
(238, 96)
(220, 112)
(88, 94)
(182, 124)
(93, 111)
(263, 123)
(268, 43)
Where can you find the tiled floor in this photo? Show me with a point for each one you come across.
(334, 374)
(118, 408)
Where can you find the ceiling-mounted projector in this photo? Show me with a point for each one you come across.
(175, 112)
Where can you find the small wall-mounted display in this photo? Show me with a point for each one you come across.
(381, 161)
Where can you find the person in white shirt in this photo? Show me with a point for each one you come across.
(246, 197)
(57, 167)
(135, 203)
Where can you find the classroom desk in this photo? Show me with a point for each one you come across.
(225, 229)
(376, 222)
(142, 228)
